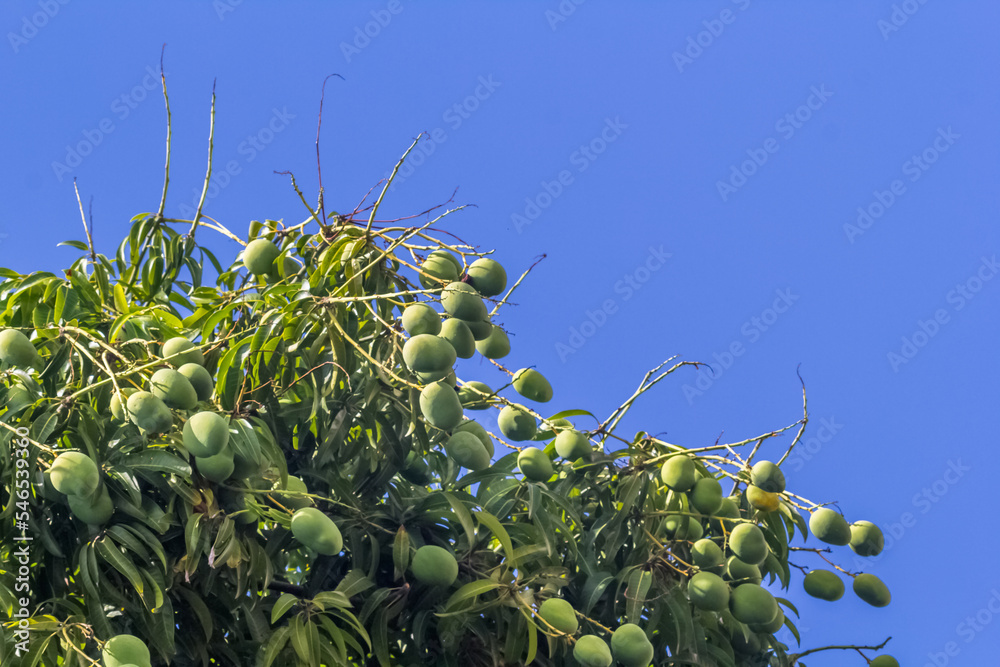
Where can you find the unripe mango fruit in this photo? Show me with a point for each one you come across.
(768, 477)
(678, 527)
(206, 434)
(474, 395)
(532, 385)
(148, 412)
(317, 531)
(416, 470)
(727, 510)
(487, 276)
(770, 628)
(217, 468)
(884, 661)
(631, 647)
(467, 451)
(295, 502)
(535, 465)
(200, 379)
(559, 614)
(125, 650)
(481, 329)
(762, 500)
(440, 266)
(173, 389)
(753, 605)
(707, 555)
(461, 300)
(870, 588)
(572, 445)
(708, 592)
(259, 256)
(75, 474)
(866, 539)
(457, 333)
(678, 473)
(476, 429)
(516, 423)
(495, 346)
(94, 510)
(740, 573)
(16, 349)
(830, 526)
(179, 351)
(440, 406)
(706, 496)
(425, 353)
(419, 318)
(824, 585)
(592, 651)
(748, 543)
(434, 566)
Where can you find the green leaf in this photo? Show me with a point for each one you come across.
(401, 552)
(284, 603)
(468, 591)
(123, 564)
(156, 460)
(498, 530)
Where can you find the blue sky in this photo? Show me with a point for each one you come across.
(755, 185)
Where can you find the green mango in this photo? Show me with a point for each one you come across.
(494, 346)
(200, 379)
(206, 434)
(173, 389)
(572, 445)
(824, 585)
(706, 496)
(75, 474)
(467, 450)
(419, 318)
(559, 614)
(125, 650)
(535, 465)
(768, 476)
(317, 531)
(748, 543)
(16, 349)
(830, 526)
(870, 588)
(425, 353)
(148, 412)
(473, 395)
(217, 468)
(866, 539)
(457, 333)
(440, 406)
(481, 329)
(707, 555)
(532, 385)
(739, 573)
(477, 430)
(179, 351)
(708, 592)
(631, 647)
(516, 423)
(441, 267)
(434, 566)
(679, 473)
(592, 651)
(259, 256)
(487, 276)
(461, 300)
(753, 605)
(94, 510)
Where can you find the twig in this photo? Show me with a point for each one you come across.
(90, 238)
(208, 173)
(319, 125)
(392, 176)
(166, 169)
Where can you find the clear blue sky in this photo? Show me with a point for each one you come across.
(694, 174)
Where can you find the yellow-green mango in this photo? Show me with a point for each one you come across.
(768, 476)
(706, 495)
(495, 346)
(474, 395)
(16, 349)
(738, 572)
(592, 651)
(481, 329)
(824, 585)
(708, 592)
(830, 526)
(457, 332)
(467, 450)
(206, 434)
(441, 267)
(179, 351)
(487, 276)
(75, 474)
(870, 588)
(425, 353)
(866, 539)
(572, 445)
(477, 430)
(95, 510)
(884, 661)
(532, 385)
(419, 318)
(173, 389)
(440, 406)
(217, 468)
(752, 605)
(434, 566)
(259, 256)
(461, 300)
(678, 473)
(559, 614)
(200, 379)
(631, 647)
(535, 465)
(707, 555)
(762, 500)
(125, 650)
(748, 543)
(317, 531)
(516, 423)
